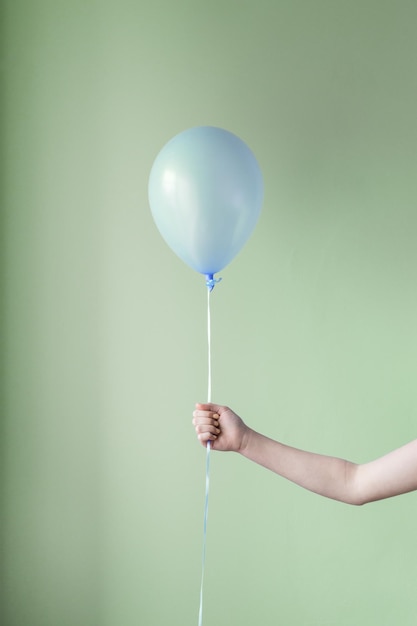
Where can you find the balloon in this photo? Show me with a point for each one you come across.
(205, 194)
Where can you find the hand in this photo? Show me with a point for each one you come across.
(221, 426)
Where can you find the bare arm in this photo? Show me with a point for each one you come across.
(335, 478)
(390, 475)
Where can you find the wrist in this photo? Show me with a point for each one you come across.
(245, 441)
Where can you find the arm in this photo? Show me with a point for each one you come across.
(390, 475)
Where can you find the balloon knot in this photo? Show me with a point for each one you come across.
(211, 282)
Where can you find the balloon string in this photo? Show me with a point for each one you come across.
(203, 560)
(208, 447)
(209, 345)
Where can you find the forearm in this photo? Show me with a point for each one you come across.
(328, 476)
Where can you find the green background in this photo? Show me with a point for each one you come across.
(103, 350)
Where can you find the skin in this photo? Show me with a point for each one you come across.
(390, 475)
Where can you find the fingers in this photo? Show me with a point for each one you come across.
(205, 419)
(208, 406)
(205, 415)
(205, 437)
(207, 428)
(206, 424)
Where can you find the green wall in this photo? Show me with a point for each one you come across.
(103, 343)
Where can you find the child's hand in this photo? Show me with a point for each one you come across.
(221, 426)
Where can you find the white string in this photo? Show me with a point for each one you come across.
(209, 346)
(208, 447)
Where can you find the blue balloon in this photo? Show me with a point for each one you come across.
(205, 194)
